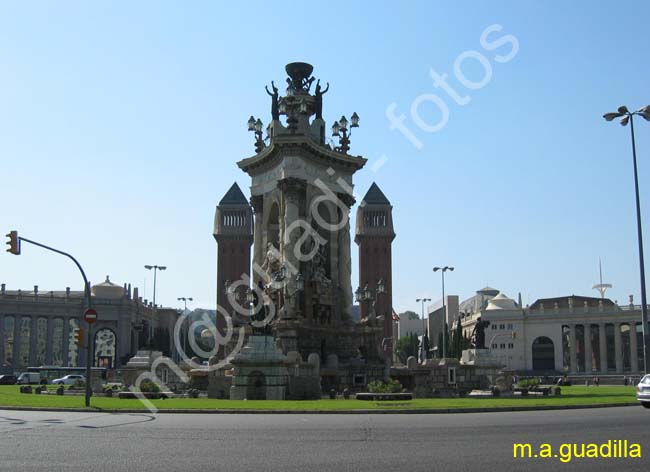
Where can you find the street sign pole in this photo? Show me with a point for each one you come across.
(89, 354)
(88, 306)
(90, 316)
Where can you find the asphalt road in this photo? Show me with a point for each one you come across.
(47, 441)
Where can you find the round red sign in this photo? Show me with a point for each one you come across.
(90, 315)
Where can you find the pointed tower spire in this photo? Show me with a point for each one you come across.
(374, 236)
(233, 231)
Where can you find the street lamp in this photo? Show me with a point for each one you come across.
(444, 308)
(256, 127)
(155, 268)
(340, 130)
(423, 300)
(626, 117)
(184, 300)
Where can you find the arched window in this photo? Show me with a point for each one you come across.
(57, 342)
(543, 354)
(25, 341)
(73, 349)
(41, 341)
(105, 348)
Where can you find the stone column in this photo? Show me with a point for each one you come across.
(49, 340)
(345, 261)
(588, 350)
(573, 364)
(618, 348)
(602, 342)
(66, 341)
(634, 359)
(33, 335)
(2, 339)
(292, 190)
(257, 202)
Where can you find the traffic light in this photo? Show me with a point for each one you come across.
(13, 243)
(79, 337)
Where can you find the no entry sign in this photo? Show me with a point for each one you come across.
(90, 315)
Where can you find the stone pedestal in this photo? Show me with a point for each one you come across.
(260, 371)
(139, 363)
(479, 357)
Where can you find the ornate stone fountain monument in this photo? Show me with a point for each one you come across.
(301, 288)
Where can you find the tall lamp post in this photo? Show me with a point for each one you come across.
(626, 117)
(155, 268)
(184, 300)
(423, 300)
(444, 308)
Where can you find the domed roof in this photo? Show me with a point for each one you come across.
(501, 302)
(107, 289)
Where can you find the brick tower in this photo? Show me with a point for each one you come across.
(233, 231)
(374, 236)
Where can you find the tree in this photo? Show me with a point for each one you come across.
(411, 315)
(407, 347)
(426, 345)
(457, 342)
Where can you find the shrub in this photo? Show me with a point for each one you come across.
(77, 385)
(148, 386)
(392, 386)
(528, 383)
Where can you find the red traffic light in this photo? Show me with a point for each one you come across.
(13, 243)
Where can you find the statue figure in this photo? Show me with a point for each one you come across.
(318, 265)
(319, 99)
(261, 312)
(275, 99)
(272, 264)
(478, 334)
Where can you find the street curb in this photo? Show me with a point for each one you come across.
(426, 411)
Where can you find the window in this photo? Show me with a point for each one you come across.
(359, 379)
(494, 345)
(511, 345)
(494, 326)
(510, 326)
(451, 375)
(502, 346)
(502, 326)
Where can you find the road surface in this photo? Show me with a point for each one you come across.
(46, 441)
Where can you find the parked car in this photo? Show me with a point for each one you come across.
(8, 379)
(69, 379)
(643, 391)
(27, 378)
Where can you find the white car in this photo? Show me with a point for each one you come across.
(643, 391)
(69, 379)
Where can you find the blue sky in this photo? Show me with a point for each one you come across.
(121, 122)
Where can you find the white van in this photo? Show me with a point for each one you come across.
(29, 378)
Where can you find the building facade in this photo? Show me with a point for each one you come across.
(37, 328)
(572, 334)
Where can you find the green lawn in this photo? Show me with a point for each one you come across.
(10, 396)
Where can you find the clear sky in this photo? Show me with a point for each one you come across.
(121, 122)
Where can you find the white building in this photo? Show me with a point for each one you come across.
(572, 334)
